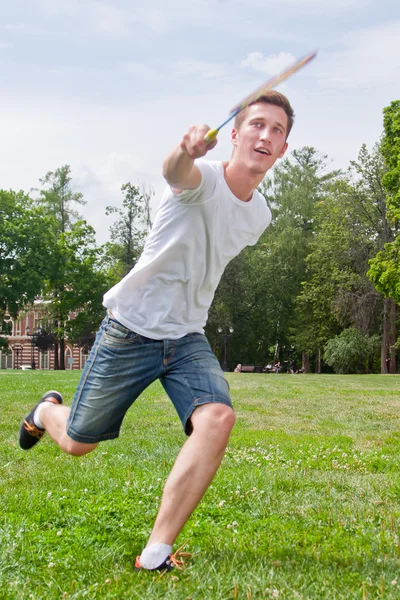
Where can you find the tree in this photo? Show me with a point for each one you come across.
(385, 266)
(130, 230)
(258, 290)
(351, 351)
(23, 253)
(70, 264)
(77, 286)
(59, 198)
(298, 188)
(391, 153)
(240, 302)
(368, 199)
(351, 226)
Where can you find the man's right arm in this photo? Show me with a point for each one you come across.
(179, 168)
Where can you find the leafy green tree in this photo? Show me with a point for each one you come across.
(43, 340)
(23, 253)
(351, 225)
(385, 269)
(351, 351)
(72, 273)
(128, 233)
(391, 153)
(300, 184)
(258, 290)
(59, 197)
(240, 302)
(385, 266)
(76, 285)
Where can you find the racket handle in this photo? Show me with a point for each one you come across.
(211, 135)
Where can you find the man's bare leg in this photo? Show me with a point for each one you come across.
(54, 418)
(193, 471)
(50, 415)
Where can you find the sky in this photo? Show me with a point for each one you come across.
(109, 87)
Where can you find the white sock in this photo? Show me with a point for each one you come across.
(153, 556)
(36, 415)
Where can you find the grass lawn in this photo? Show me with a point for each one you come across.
(306, 503)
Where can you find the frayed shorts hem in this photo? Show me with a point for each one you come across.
(87, 439)
(95, 439)
(210, 399)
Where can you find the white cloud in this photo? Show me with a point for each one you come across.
(184, 69)
(371, 57)
(114, 22)
(271, 65)
(119, 18)
(109, 19)
(139, 69)
(152, 17)
(199, 68)
(59, 7)
(5, 45)
(24, 28)
(314, 7)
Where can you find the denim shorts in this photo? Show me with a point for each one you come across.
(122, 364)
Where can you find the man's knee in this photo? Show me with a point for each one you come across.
(75, 448)
(214, 418)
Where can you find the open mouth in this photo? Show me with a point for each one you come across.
(263, 151)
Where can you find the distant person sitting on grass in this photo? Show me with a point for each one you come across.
(154, 327)
(238, 368)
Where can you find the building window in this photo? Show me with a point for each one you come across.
(69, 361)
(84, 357)
(44, 360)
(6, 360)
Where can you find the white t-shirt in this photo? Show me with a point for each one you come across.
(195, 234)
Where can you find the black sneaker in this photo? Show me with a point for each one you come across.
(29, 434)
(173, 561)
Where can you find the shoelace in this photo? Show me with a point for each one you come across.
(176, 557)
(33, 430)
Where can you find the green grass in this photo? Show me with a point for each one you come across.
(306, 504)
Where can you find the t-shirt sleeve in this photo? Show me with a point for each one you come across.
(206, 188)
(264, 219)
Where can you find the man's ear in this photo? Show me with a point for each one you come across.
(234, 136)
(285, 147)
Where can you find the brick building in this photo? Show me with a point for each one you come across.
(22, 352)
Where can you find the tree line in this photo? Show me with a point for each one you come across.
(320, 288)
(48, 250)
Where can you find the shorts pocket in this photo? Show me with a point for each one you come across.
(116, 334)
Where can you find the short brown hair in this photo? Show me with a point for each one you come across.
(271, 97)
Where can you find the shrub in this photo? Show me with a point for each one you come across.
(351, 351)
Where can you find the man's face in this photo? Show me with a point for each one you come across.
(261, 138)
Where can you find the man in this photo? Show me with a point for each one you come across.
(153, 330)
